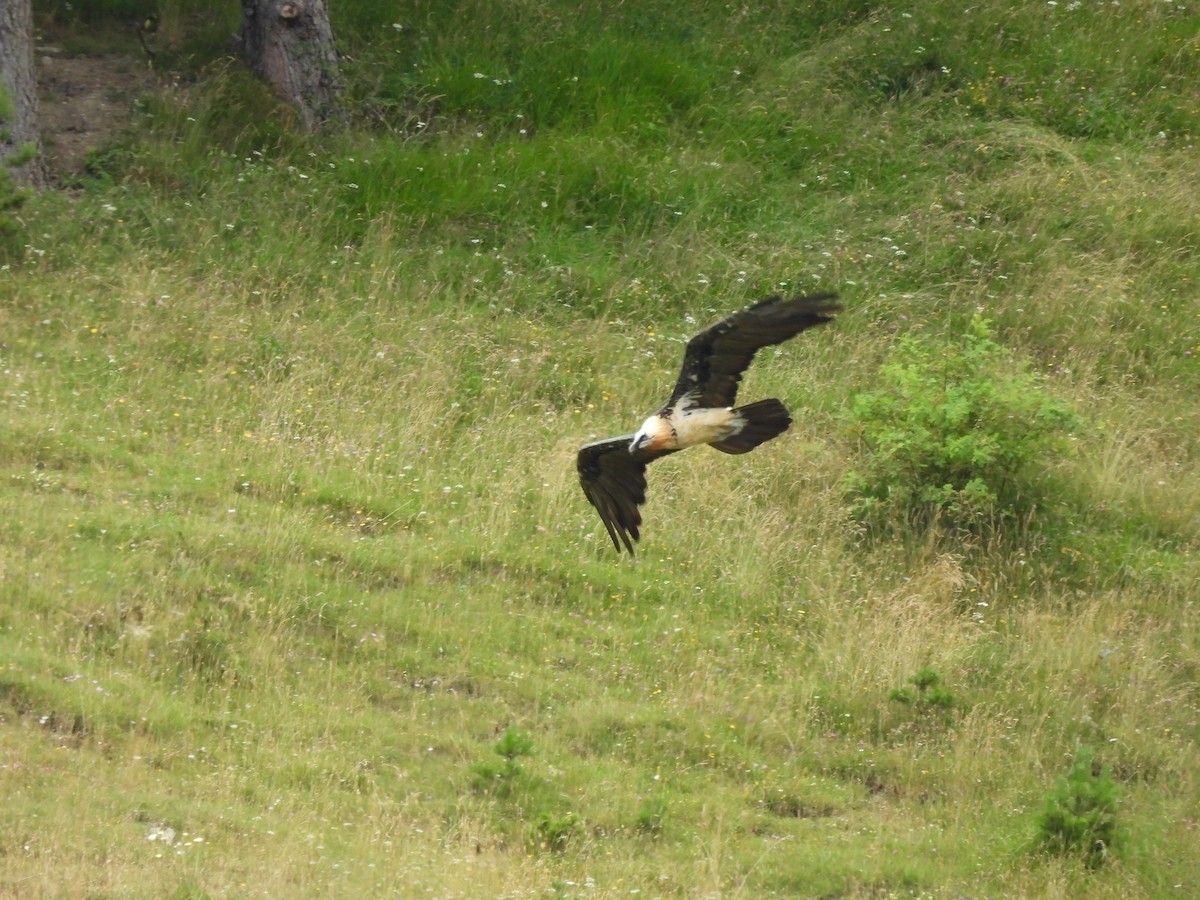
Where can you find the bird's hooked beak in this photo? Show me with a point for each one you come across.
(639, 440)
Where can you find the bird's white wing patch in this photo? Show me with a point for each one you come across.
(688, 401)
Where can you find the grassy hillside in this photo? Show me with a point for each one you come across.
(299, 595)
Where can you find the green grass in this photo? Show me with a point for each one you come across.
(291, 538)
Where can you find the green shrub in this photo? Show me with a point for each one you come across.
(651, 815)
(521, 797)
(1080, 813)
(957, 430)
(930, 693)
(552, 832)
(501, 778)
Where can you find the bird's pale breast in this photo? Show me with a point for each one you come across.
(703, 426)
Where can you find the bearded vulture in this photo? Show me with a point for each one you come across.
(700, 411)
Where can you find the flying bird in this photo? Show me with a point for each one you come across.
(700, 410)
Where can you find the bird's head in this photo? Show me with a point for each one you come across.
(655, 434)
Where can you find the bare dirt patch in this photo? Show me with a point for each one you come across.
(86, 103)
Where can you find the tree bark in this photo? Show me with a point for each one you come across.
(19, 134)
(290, 46)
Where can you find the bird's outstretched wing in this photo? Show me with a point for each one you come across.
(716, 358)
(614, 480)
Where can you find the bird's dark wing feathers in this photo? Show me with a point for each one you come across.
(614, 480)
(716, 358)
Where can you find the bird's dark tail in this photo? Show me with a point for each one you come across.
(764, 420)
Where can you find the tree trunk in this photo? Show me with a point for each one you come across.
(290, 46)
(19, 138)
